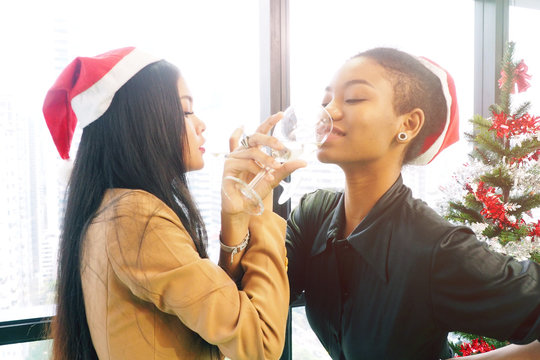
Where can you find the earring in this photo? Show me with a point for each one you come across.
(402, 136)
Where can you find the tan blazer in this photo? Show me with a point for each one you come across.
(148, 294)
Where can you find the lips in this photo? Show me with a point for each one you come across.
(338, 132)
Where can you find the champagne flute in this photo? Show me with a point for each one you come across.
(302, 130)
(289, 188)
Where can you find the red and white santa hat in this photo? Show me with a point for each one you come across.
(436, 143)
(85, 89)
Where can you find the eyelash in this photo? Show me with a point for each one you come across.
(187, 113)
(354, 101)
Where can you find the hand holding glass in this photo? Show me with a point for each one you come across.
(301, 130)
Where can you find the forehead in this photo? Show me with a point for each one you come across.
(361, 68)
(183, 89)
(184, 93)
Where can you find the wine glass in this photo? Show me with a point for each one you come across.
(289, 188)
(302, 130)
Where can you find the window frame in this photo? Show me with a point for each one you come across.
(491, 35)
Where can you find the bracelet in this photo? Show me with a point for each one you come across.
(235, 249)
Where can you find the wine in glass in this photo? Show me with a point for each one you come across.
(302, 130)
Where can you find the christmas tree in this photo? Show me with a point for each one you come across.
(498, 189)
(500, 185)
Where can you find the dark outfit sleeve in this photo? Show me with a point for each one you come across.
(303, 226)
(479, 291)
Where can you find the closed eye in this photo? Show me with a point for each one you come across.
(187, 113)
(354, 101)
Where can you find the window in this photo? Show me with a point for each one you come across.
(522, 17)
(214, 43)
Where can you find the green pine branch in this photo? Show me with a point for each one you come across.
(508, 66)
(489, 147)
(492, 231)
(499, 177)
(458, 212)
(522, 109)
(505, 236)
(480, 122)
(525, 202)
(471, 203)
(527, 147)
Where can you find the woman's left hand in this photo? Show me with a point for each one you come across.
(246, 161)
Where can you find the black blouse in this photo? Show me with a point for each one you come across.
(403, 279)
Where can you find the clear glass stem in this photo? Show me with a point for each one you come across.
(261, 174)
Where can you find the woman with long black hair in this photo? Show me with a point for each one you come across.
(134, 279)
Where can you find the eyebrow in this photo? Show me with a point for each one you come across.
(352, 82)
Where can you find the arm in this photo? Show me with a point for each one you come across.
(482, 292)
(155, 258)
(303, 225)
(244, 163)
(511, 352)
(296, 253)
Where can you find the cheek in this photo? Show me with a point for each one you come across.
(190, 131)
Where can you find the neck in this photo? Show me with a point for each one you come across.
(364, 185)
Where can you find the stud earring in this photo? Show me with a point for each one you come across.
(402, 136)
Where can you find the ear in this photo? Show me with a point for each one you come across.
(411, 123)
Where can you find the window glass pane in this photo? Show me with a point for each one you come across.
(523, 31)
(35, 350)
(324, 34)
(214, 43)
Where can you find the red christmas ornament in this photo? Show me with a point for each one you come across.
(477, 346)
(507, 126)
(493, 206)
(520, 78)
(534, 230)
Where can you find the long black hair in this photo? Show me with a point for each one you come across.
(138, 143)
(415, 86)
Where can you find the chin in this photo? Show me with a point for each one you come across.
(323, 157)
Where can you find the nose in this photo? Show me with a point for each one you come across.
(199, 125)
(334, 110)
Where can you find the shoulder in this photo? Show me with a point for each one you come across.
(424, 218)
(422, 230)
(132, 202)
(312, 211)
(135, 208)
(124, 197)
(321, 200)
(138, 221)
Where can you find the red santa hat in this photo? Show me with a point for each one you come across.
(434, 144)
(85, 89)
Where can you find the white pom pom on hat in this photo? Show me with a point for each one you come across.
(85, 89)
(433, 145)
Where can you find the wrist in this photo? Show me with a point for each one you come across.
(235, 221)
(233, 250)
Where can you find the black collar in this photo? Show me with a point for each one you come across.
(371, 238)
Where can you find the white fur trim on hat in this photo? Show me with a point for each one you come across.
(89, 105)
